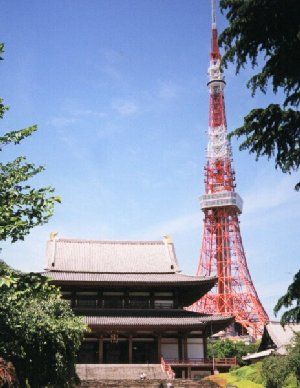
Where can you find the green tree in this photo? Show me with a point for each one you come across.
(274, 371)
(226, 348)
(293, 356)
(39, 333)
(290, 299)
(21, 206)
(267, 32)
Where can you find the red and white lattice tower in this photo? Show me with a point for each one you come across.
(222, 252)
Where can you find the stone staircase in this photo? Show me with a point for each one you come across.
(120, 372)
(177, 383)
(128, 375)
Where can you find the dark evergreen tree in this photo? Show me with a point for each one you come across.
(268, 32)
(290, 300)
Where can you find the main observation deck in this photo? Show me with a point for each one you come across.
(221, 199)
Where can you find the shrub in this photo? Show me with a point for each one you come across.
(274, 371)
(39, 333)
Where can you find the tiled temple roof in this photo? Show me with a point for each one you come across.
(111, 256)
(122, 263)
(132, 278)
(278, 337)
(152, 318)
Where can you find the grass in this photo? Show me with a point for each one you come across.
(247, 377)
(244, 377)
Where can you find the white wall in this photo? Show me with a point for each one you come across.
(169, 347)
(195, 348)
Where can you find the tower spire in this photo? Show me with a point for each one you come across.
(222, 252)
(215, 52)
(213, 14)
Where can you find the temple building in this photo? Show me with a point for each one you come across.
(132, 295)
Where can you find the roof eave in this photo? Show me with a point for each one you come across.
(207, 328)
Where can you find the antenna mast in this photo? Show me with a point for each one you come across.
(222, 252)
(213, 14)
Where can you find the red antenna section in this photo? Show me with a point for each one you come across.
(215, 52)
(222, 252)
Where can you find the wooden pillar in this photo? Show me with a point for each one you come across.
(176, 299)
(185, 349)
(100, 299)
(151, 302)
(158, 348)
(130, 349)
(189, 372)
(73, 298)
(180, 347)
(126, 299)
(101, 349)
(179, 300)
(205, 347)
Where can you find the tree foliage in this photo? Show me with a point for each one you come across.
(268, 31)
(294, 356)
(277, 370)
(39, 333)
(21, 206)
(290, 299)
(226, 348)
(274, 371)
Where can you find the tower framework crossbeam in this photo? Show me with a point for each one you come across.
(222, 253)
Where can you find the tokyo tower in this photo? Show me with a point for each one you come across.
(222, 252)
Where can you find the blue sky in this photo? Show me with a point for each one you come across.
(118, 90)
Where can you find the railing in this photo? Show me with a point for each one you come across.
(167, 368)
(202, 361)
(98, 304)
(165, 305)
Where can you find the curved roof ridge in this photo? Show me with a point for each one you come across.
(92, 241)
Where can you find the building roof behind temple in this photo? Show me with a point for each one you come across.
(278, 337)
(151, 257)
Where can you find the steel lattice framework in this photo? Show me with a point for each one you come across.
(222, 252)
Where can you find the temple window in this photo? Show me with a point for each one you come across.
(163, 300)
(139, 299)
(169, 348)
(113, 299)
(86, 298)
(163, 304)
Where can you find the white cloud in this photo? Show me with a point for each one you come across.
(173, 226)
(87, 113)
(73, 116)
(125, 107)
(59, 122)
(270, 193)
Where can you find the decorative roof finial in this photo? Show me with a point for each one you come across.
(167, 239)
(53, 236)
